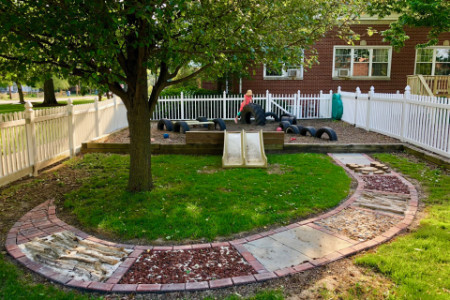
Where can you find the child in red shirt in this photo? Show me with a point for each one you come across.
(247, 100)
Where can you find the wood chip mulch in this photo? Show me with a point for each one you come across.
(385, 183)
(181, 266)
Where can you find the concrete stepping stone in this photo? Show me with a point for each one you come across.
(294, 246)
(352, 158)
(273, 255)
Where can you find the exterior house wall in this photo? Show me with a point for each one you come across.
(320, 76)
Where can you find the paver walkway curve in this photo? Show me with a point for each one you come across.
(286, 250)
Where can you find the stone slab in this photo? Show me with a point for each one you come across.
(273, 255)
(310, 242)
(352, 158)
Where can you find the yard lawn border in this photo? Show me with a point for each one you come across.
(42, 221)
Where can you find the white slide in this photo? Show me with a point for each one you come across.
(244, 150)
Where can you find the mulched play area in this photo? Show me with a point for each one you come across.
(347, 134)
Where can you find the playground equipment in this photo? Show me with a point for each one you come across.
(183, 126)
(244, 150)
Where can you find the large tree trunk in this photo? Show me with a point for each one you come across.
(49, 93)
(10, 92)
(19, 89)
(139, 126)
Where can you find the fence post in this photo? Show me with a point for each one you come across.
(406, 96)
(31, 134)
(330, 105)
(268, 104)
(97, 118)
(224, 105)
(182, 106)
(297, 106)
(369, 106)
(70, 120)
(355, 117)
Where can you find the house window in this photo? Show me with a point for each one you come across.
(362, 61)
(433, 61)
(283, 72)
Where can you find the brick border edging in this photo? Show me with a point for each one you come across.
(42, 221)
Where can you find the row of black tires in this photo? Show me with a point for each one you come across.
(308, 130)
(182, 126)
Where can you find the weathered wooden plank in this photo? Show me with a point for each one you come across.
(344, 148)
(217, 137)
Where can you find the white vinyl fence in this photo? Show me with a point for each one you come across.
(226, 106)
(34, 139)
(420, 120)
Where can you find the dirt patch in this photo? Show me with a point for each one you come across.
(180, 266)
(347, 134)
(359, 225)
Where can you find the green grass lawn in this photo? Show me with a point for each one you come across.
(195, 198)
(7, 108)
(419, 263)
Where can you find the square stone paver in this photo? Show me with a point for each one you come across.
(310, 242)
(352, 158)
(274, 255)
(293, 247)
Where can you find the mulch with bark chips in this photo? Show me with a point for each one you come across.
(180, 266)
(347, 133)
(385, 183)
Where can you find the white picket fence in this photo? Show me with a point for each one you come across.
(34, 139)
(226, 106)
(420, 120)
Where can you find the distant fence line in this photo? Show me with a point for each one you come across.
(423, 121)
(34, 139)
(226, 106)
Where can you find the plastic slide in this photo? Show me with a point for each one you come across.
(244, 150)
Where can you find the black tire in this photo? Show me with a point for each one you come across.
(286, 115)
(300, 128)
(181, 127)
(292, 129)
(273, 115)
(253, 110)
(290, 119)
(308, 129)
(203, 119)
(332, 136)
(165, 123)
(284, 125)
(220, 123)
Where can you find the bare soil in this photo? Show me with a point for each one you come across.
(347, 134)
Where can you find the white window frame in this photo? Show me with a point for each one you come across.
(370, 48)
(284, 73)
(433, 62)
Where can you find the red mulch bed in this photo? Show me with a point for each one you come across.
(385, 183)
(180, 266)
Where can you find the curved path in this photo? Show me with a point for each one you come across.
(287, 250)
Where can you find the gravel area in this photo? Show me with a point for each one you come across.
(385, 183)
(358, 224)
(347, 134)
(180, 266)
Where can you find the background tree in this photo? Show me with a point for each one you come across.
(116, 42)
(434, 14)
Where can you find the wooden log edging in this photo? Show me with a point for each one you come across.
(42, 221)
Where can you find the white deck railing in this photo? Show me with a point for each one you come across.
(420, 120)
